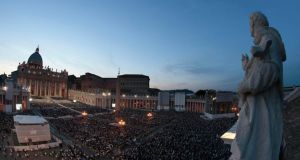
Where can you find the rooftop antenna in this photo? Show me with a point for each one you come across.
(119, 71)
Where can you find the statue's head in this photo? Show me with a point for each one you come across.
(257, 19)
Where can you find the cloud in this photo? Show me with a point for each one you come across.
(191, 69)
(203, 76)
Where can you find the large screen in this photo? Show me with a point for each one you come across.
(18, 107)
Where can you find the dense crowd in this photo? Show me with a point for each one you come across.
(91, 110)
(166, 135)
(6, 124)
(163, 135)
(187, 137)
(52, 110)
(66, 152)
(98, 135)
(81, 107)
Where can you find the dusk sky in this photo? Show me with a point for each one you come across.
(177, 43)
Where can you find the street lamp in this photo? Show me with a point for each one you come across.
(84, 113)
(149, 114)
(121, 122)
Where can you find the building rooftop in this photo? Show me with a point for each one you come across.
(26, 119)
(133, 76)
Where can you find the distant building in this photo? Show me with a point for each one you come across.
(40, 80)
(3, 77)
(31, 129)
(130, 84)
(13, 98)
(179, 101)
(94, 83)
(220, 105)
(147, 102)
(163, 101)
(134, 84)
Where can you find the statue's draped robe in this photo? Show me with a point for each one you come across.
(259, 128)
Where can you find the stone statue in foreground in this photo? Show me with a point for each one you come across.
(259, 128)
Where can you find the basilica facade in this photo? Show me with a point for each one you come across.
(39, 80)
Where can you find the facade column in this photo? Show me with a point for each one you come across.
(44, 88)
(53, 89)
(55, 86)
(35, 88)
(40, 88)
(49, 88)
(60, 87)
(30, 86)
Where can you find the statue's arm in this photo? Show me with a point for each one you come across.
(261, 79)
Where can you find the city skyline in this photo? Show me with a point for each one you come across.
(178, 44)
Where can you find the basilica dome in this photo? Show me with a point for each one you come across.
(35, 58)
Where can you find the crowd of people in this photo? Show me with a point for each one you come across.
(98, 135)
(6, 124)
(187, 137)
(52, 110)
(66, 152)
(81, 107)
(164, 135)
(146, 135)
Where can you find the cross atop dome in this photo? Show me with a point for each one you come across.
(37, 49)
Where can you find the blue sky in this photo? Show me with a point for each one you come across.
(178, 43)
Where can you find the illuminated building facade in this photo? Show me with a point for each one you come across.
(39, 80)
(108, 101)
(13, 98)
(93, 83)
(127, 84)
